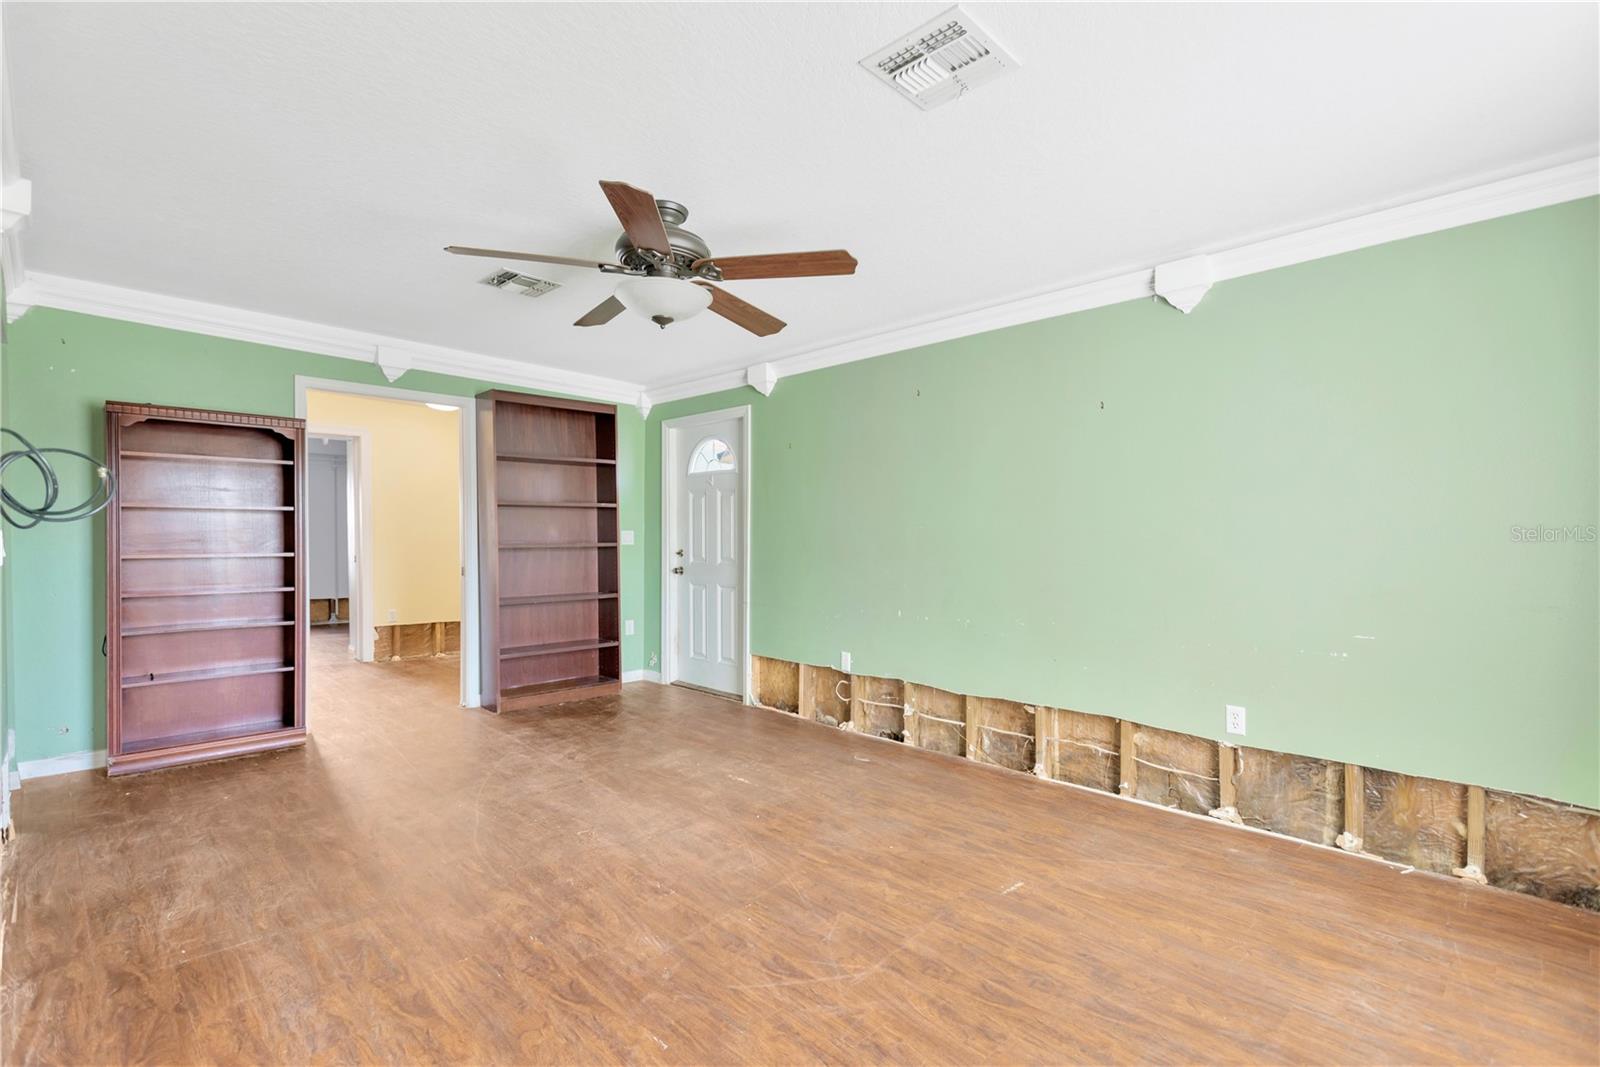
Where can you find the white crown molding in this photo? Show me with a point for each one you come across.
(1541, 188)
(218, 320)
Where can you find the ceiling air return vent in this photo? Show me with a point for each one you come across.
(941, 60)
(511, 281)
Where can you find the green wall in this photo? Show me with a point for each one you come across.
(1300, 498)
(59, 368)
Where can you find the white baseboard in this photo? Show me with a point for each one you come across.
(642, 676)
(72, 761)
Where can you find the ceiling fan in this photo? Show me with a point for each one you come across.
(670, 271)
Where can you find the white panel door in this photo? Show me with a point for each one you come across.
(707, 563)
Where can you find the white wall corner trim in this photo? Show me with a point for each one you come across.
(394, 361)
(72, 761)
(1183, 283)
(644, 403)
(763, 378)
(1509, 196)
(218, 320)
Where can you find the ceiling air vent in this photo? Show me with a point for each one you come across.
(941, 60)
(530, 286)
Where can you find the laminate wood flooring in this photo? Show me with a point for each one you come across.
(667, 877)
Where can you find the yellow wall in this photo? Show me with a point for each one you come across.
(416, 494)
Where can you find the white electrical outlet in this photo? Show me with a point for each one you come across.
(627, 627)
(844, 662)
(627, 537)
(394, 615)
(1235, 719)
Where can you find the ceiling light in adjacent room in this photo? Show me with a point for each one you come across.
(664, 300)
(445, 407)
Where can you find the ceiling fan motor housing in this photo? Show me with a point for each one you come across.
(687, 249)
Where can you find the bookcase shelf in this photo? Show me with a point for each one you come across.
(568, 461)
(547, 497)
(554, 598)
(205, 581)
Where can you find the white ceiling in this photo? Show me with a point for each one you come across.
(310, 161)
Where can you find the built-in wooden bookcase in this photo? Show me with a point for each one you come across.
(547, 529)
(205, 583)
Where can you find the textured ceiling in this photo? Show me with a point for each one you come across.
(310, 161)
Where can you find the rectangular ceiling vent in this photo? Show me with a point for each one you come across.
(941, 60)
(529, 285)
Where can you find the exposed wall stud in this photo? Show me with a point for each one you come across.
(1473, 871)
(1227, 808)
(1041, 742)
(1355, 809)
(971, 706)
(1129, 768)
(808, 692)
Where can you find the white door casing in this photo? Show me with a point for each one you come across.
(706, 535)
(357, 576)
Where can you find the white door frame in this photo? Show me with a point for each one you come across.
(671, 486)
(471, 677)
(358, 525)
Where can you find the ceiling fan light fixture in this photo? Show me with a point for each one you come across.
(663, 300)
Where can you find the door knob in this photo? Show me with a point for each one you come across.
(677, 570)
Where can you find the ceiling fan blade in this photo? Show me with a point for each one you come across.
(740, 313)
(636, 210)
(535, 257)
(603, 313)
(784, 265)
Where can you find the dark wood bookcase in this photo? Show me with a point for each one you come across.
(205, 583)
(547, 561)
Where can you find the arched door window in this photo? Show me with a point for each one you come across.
(712, 455)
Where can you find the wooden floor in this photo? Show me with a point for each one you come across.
(666, 876)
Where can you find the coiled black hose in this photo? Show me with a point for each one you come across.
(47, 511)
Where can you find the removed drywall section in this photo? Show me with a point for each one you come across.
(775, 683)
(1292, 795)
(1000, 732)
(936, 719)
(1081, 749)
(1541, 847)
(1175, 770)
(824, 695)
(877, 707)
(416, 640)
(1420, 822)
